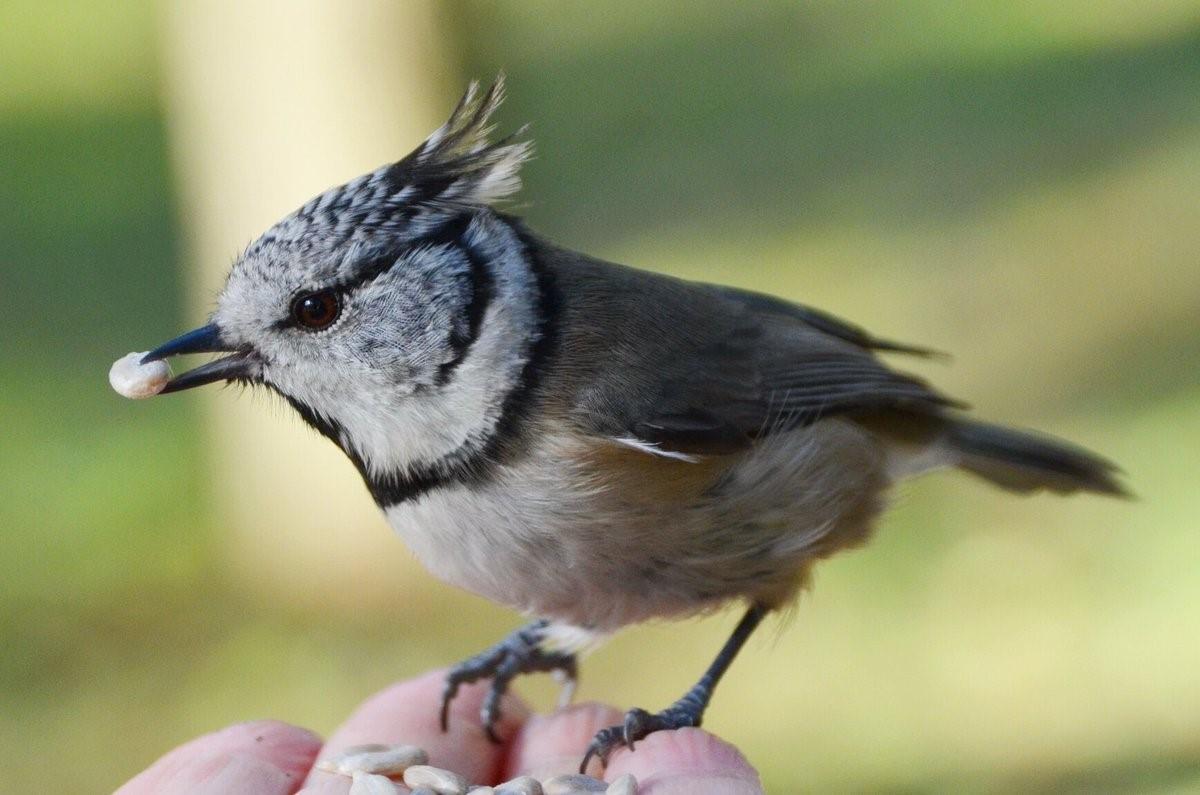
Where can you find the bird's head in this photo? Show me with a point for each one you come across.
(387, 303)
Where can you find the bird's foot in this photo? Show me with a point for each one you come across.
(687, 711)
(639, 724)
(521, 652)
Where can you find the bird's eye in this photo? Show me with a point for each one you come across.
(317, 310)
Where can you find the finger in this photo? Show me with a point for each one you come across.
(550, 745)
(407, 713)
(683, 762)
(250, 758)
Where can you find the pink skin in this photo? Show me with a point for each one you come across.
(272, 758)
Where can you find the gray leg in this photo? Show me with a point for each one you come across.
(687, 711)
(519, 653)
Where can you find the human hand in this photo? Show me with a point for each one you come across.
(273, 758)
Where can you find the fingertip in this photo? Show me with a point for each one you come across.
(550, 745)
(409, 713)
(261, 756)
(268, 734)
(685, 761)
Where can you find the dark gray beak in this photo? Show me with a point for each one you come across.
(206, 339)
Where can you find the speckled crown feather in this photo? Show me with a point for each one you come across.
(456, 168)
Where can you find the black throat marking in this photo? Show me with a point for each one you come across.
(477, 459)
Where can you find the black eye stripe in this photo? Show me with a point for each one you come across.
(372, 269)
(449, 235)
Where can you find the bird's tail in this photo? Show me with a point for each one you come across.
(1024, 461)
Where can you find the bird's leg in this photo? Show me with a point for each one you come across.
(521, 652)
(687, 711)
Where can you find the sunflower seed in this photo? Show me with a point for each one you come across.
(371, 784)
(331, 764)
(573, 784)
(132, 379)
(387, 762)
(523, 785)
(443, 782)
(625, 785)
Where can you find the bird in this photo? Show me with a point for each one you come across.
(590, 444)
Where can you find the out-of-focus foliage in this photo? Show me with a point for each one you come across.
(1017, 183)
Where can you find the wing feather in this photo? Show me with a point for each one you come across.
(726, 402)
(695, 369)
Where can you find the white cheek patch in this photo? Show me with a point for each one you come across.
(392, 434)
(134, 380)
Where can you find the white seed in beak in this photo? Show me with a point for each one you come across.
(132, 379)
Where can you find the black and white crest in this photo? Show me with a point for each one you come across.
(457, 168)
(458, 165)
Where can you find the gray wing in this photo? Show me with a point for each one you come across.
(695, 369)
(822, 321)
(766, 378)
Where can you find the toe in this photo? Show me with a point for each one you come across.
(637, 724)
(550, 745)
(602, 745)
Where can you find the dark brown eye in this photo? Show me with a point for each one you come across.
(316, 310)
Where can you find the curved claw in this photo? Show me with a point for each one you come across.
(517, 654)
(489, 712)
(602, 746)
(489, 731)
(637, 724)
(449, 691)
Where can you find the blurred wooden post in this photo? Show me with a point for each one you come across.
(269, 103)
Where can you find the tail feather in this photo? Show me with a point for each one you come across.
(1023, 461)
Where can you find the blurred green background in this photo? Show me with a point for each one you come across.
(1017, 183)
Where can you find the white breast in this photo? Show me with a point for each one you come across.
(513, 539)
(552, 536)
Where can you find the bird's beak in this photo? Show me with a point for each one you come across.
(206, 339)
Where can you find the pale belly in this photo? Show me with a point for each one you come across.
(605, 537)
